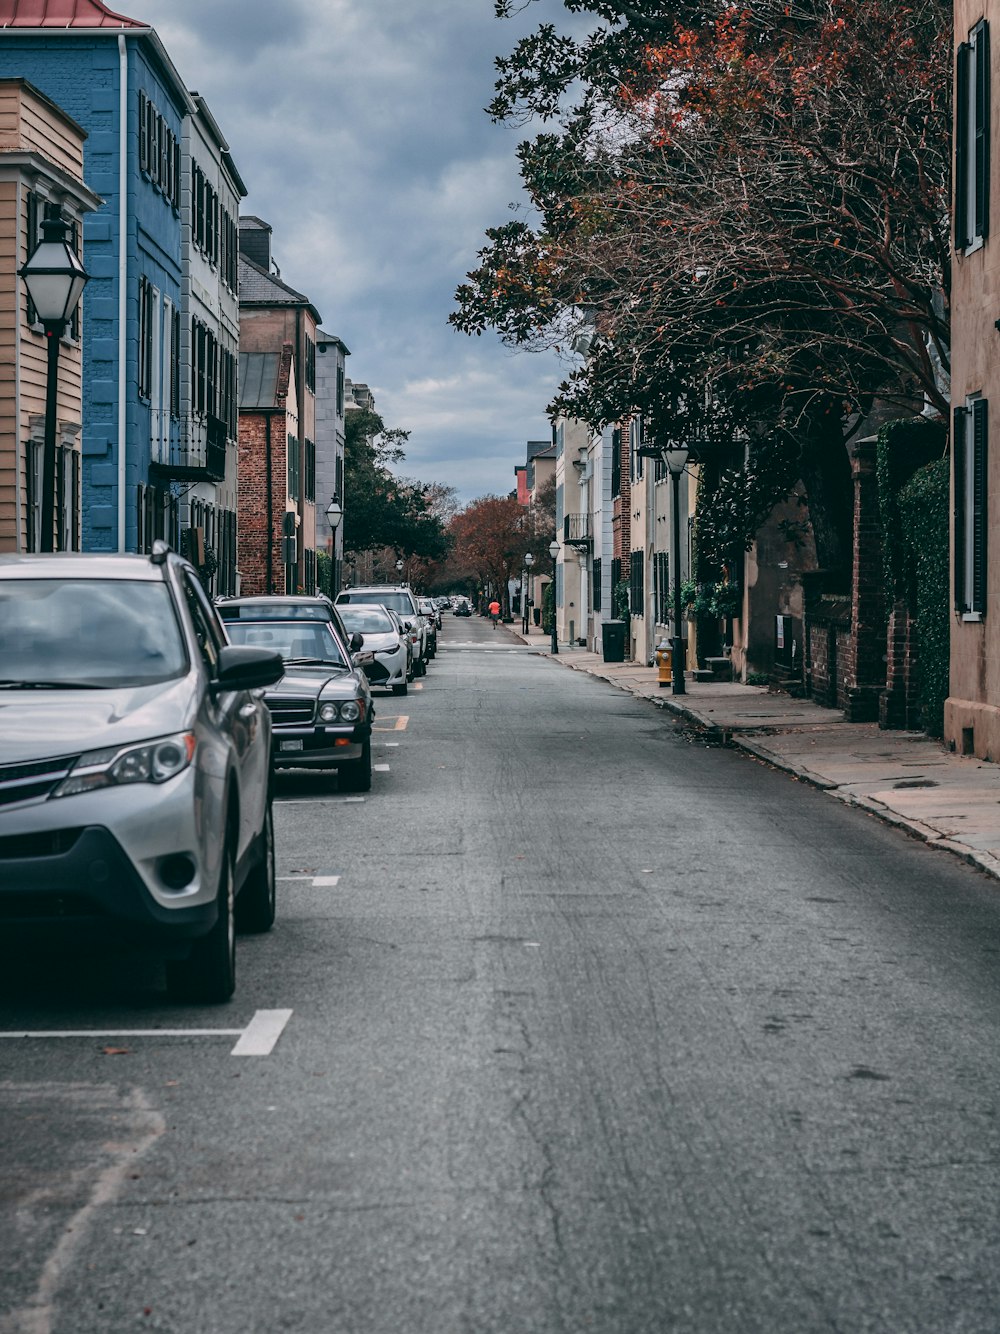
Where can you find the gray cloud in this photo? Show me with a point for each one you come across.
(358, 128)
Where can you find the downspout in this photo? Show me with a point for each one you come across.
(20, 446)
(122, 274)
(270, 505)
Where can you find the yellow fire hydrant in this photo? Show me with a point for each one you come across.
(664, 661)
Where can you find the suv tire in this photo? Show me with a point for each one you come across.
(257, 903)
(208, 974)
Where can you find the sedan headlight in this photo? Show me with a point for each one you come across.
(153, 762)
(328, 713)
(350, 711)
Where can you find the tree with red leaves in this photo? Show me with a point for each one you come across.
(745, 208)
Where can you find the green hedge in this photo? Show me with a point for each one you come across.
(903, 447)
(923, 513)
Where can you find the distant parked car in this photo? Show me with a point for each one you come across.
(321, 709)
(135, 794)
(400, 599)
(428, 611)
(462, 609)
(387, 657)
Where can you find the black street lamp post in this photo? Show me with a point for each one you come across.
(676, 460)
(529, 560)
(554, 552)
(55, 280)
(334, 514)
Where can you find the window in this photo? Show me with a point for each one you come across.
(159, 152)
(971, 451)
(33, 493)
(210, 639)
(67, 499)
(616, 578)
(148, 297)
(293, 467)
(661, 586)
(616, 464)
(310, 364)
(635, 439)
(636, 589)
(340, 391)
(309, 480)
(175, 364)
(972, 140)
(597, 584)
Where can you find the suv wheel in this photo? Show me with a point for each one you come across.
(357, 776)
(255, 907)
(208, 974)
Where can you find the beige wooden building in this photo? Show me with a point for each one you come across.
(41, 165)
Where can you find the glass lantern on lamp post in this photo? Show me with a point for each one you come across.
(55, 280)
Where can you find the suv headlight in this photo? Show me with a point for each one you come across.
(153, 762)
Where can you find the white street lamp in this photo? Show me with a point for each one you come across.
(554, 552)
(334, 514)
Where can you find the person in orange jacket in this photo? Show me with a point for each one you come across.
(494, 612)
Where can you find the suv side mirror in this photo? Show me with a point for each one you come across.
(243, 668)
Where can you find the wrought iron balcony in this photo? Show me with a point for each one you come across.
(197, 455)
(577, 532)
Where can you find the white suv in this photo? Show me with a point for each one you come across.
(400, 599)
(135, 760)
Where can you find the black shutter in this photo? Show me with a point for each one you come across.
(983, 130)
(616, 464)
(959, 493)
(980, 446)
(962, 147)
(143, 135)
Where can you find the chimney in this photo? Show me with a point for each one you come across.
(255, 242)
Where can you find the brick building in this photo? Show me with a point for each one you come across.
(268, 457)
(272, 316)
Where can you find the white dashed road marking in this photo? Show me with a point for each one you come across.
(381, 768)
(257, 1039)
(325, 881)
(262, 1032)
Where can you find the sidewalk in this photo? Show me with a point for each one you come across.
(905, 778)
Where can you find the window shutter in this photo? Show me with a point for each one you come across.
(983, 130)
(143, 135)
(980, 446)
(962, 147)
(958, 501)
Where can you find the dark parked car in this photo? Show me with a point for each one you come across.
(321, 709)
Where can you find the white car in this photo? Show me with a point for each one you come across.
(384, 654)
(397, 598)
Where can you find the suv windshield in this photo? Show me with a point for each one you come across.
(296, 641)
(88, 633)
(397, 601)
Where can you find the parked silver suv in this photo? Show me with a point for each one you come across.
(134, 763)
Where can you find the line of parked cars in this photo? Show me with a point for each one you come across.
(140, 729)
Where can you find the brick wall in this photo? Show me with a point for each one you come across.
(252, 544)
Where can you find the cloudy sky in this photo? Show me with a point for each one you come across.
(358, 128)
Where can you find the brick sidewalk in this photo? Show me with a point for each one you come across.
(950, 801)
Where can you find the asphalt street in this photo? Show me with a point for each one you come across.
(573, 1023)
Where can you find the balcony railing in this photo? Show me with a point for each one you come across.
(197, 454)
(577, 531)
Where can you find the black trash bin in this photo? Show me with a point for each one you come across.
(613, 638)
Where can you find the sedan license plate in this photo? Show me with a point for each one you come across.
(292, 745)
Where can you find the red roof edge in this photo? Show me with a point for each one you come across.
(63, 14)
